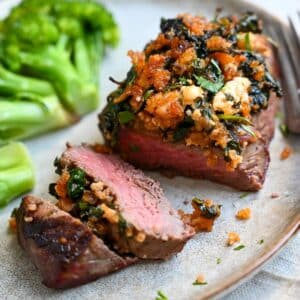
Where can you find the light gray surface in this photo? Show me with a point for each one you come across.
(139, 21)
(280, 278)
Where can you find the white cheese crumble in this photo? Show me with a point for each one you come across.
(190, 93)
(234, 92)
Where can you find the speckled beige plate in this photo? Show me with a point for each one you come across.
(273, 220)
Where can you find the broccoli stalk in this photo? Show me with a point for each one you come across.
(16, 172)
(61, 41)
(53, 64)
(28, 107)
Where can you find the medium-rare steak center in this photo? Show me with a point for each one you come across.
(119, 203)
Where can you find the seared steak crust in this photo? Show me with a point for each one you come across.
(65, 251)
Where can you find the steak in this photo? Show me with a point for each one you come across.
(65, 250)
(134, 214)
(198, 101)
(153, 153)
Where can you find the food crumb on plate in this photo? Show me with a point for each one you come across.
(244, 214)
(233, 238)
(286, 153)
(200, 280)
(274, 195)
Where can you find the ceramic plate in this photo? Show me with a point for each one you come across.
(273, 220)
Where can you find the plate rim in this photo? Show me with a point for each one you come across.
(290, 231)
(253, 267)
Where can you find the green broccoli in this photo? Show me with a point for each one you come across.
(28, 107)
(62, 42)
(16, 172)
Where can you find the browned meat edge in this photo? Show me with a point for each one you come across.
(65, 251)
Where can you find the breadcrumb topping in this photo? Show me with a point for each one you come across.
(233, 238)
(199, 83)
(244, 214)
(286, 153)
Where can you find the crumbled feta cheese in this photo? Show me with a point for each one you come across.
(190, 93)
(234, 92)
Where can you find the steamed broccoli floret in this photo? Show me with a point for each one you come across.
(60, 41)
(16, 172)
(28, 107)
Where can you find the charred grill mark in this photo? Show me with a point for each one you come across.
(64, 240)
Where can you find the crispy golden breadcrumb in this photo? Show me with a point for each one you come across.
(200, 279)
(286, 153)
(244, 214)
(233, 238)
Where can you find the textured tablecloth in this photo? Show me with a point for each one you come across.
(280, 278)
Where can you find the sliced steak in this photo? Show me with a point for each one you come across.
(135, 215)
(65, 250)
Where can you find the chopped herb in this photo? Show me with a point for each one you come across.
(83, 205)
(208, 212)
(183, 81)
(259, 99)
(122, 224)
(238, 248)
(85, 210)
(75, 185)
(234, 118)
(284, 129)
(218, 260)
(232, 145)
(52, 190)
(244, 195)
(96, 212)
(216, 65)
(131, 75)
(213, 87)
(109, 123)
(199, 283)
(134, 148)
(248, 42)
(260, 242)
(125, 117)
(250, 22)
(248, 129)
(148, 93)
(161, 296)
(57, 165)
(180, 133)
(182, 129)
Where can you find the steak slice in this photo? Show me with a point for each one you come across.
(65, 250)
(137, 217)
(153, 153)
